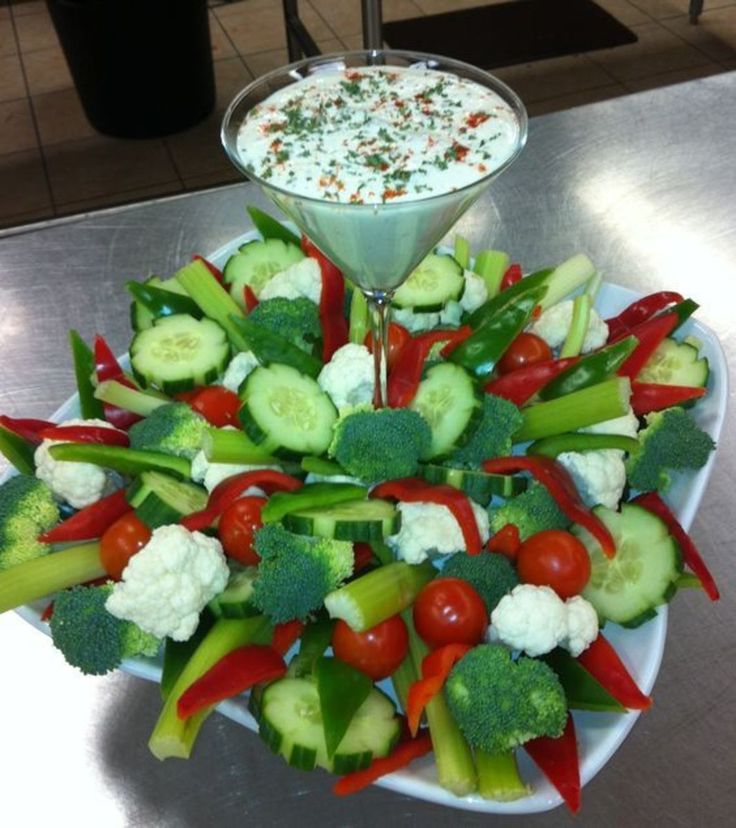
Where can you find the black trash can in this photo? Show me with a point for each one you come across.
(142, 68)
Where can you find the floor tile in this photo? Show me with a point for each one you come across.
(201, 182)
(657, 50)
(221, 45)
(625, 12)
(602, 93)
(23, 186)
(12, 82)
(440, 6)
(35, 31)
(551, 78)
(28, 7)
(345, 18)
(46, 70)
(101, 166)
(231, 75)
(60, 117)
(676, 76)
(17, 130)
(662, 9)
(715, 34)
(264, 62)
(258, 25)
(121, 198)
(7, 37)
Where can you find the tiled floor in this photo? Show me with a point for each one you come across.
(52, 162)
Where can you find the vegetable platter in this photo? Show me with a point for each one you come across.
(694, 359)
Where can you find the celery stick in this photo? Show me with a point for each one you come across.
(593, 286)
(490, 265)
(227, 446)
(462, 252)
(498, 776)
(604, 401)
(359, 317)
(575, 338)
(35, 579)
(566, 278)
(402, 679)
(142, 403)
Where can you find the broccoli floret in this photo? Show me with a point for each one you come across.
(296, 572)
(499, 421)
(670, 441)
(532, 511)
(92, 639)
(172, 429)
(499, 703)
(297, 320)
(492, 576)
(27, 509)
(381, 445)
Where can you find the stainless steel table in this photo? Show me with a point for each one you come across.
(645, 185)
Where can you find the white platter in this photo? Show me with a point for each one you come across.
(599, 734)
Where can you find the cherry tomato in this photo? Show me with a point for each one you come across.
(398, 336)
(121, 541)
(450, 611)
(218, 405)
(237, 526)
(526, 349)
(556, 559)
(377, 652)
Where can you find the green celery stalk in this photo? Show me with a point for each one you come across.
(575, 441)
(566, 278)
(686, 580)
(402, 679)
(359, 323)
(604, 401)
(593, 286)
(35, 579)
(573, 344)
(490, 265)
(17, 451)
(142, 403)
(178, 653)
(227, 446)
(173, 737)
(379, 594)
(462, 252)
(498, 776)
(84, 368)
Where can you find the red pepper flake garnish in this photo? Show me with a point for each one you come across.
(476, 118)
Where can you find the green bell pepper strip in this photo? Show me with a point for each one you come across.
(17, 451)
(314, 641)
(161, 302)
(342, 690)
(270, 228)
(480, 352)
(318, 465)
(269, 347)
(84, 369)
(313, 495)
(573, 344)
(507, 297)
(683, 310)
(120, 459)
(575, 441)
(583, 691)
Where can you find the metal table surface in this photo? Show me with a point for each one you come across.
(644, 184)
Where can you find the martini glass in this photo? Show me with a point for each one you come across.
(375, 245)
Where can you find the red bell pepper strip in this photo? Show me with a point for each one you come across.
(250, 299)
(651, 396)
(215, 271)
(639, 311)
(108, 368)
(560, 485)
(650, 334)
(558, 761)
(415, 490)
(233, 674)
(331, 303)
(507, 542)
(653, 503)
(285, 634)
(48, 612)
(91, 521)
(29, 430)
(400, 757)
(435, 669)
(606, 667)
(87, 434)
(521, 385)
(458, 336)
(362, 556)
(231, 489)
(512, 275)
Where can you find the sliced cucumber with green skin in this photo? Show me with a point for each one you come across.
(179, 353)
(140, 317)
(159, 499)
(481, 486)
(676, 363)
(641, 576)
(236, 600)
(450, 402)
(357, 520)
(286, 412)
(255, 263)
(291, 725)
(435, 282)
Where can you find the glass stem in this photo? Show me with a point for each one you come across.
(379, 304)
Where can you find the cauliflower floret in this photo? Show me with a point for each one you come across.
(628, 426)
(554, 324)
(313, 477)
(430, 528)
(168, 583)
(475, 293)
(301, 279)
(449, 317)
(599, 476)
(240, 366)
(79, 484)
(348, 377)
(211, 474)
(582, 625)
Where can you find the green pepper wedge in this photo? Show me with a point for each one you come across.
(342, 690)
(583, 691)
(506, 297)
(269, 347)
(161, 302)
(575, 441)
(17, 451)
(311, 496)
(271, 228)
(84, 367)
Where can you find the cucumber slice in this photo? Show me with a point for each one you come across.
(435, 282)
(255, 263)
(140, 317)
(159, 499)
(676, 363)
(179, 353)
(286, 412)
(357, 520)
(481, 486)
(449, 401)
(643, 574)
(236, 601)
(291, 725)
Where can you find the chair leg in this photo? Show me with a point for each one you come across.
(372, 24)
(695, 10)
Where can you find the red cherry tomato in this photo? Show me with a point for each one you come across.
(398, 336)
(526, 349)
(556, 559)
(450, 611)
(120, 542)
(237, 527)
(377, 652)
(218, 405)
